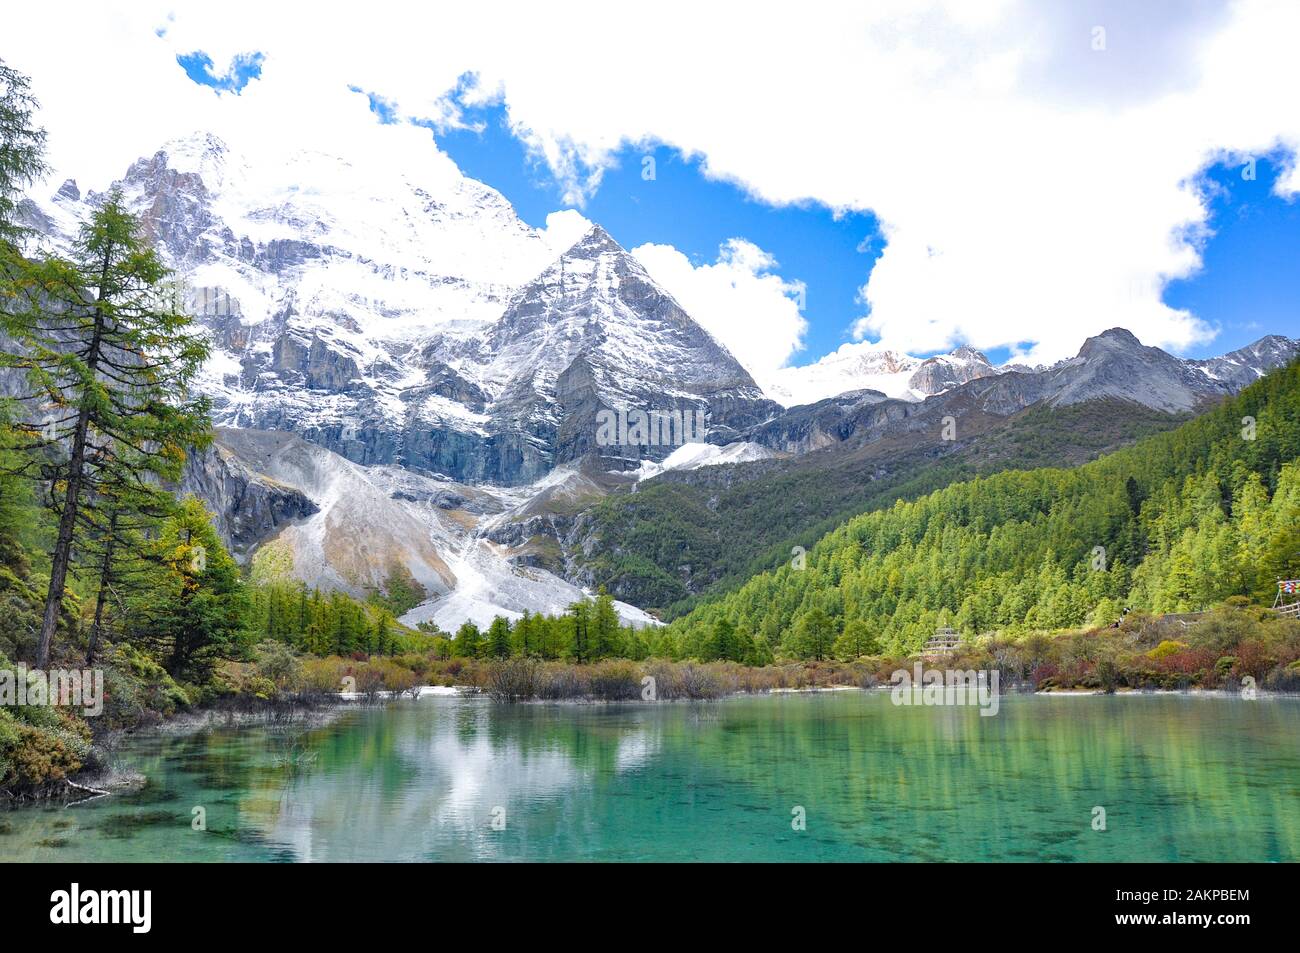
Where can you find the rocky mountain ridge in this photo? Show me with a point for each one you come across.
(407, 339)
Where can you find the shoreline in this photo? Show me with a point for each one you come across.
(92, 783)
(88, 785)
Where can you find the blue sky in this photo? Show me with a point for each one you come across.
(682, 208)
(199, 67)
(1249, 285)
(1027, 170)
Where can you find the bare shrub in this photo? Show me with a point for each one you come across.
(615, 680)
(513, 680)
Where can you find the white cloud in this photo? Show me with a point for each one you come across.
(738, 299)
(563, 229)
(1033, 188)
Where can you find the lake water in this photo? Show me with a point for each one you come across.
(1180, 778)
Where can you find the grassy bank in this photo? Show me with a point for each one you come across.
(1221, 649)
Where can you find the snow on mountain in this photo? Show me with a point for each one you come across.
(412, 318)
(692, 456)
(857, 366)
(369, 524)
(319, 280)
(1245, 365)
(447, 367)
(944, 371)
(867, 366)
(1115, 364)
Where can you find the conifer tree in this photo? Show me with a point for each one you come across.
(193, 613)
(580, 614)
(111, 360)
(498, 638)
(22, 155)
(468, 639)
(604, 626)
(856, 641)
(813, 633)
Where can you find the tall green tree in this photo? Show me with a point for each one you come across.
(813, 634)
(194, 611)
(22, 150)
(111, 359)
(467, 641)
(723, 643)
(580, 614)
(856, 641)
(22, 145)
(498, 638)
(605, 640)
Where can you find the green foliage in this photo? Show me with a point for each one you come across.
(813, 635)
(1177, 523)
(1166, 648)
(497, 644)
(468, 641)
(692, 535)
(22, 148)
(401, 592)
(856, 641)
(193, 611)
(108, 361)
(39, 744)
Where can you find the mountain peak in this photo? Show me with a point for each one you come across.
(1113, 336)
(967, 353)
(595, 242)
(945, 371)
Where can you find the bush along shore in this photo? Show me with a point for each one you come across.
(1233, 648)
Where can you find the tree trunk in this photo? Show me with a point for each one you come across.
(104, 574)
(62, 554)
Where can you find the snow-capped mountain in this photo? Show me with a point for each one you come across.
(1148, 375)
(1111, 365)
(945, 371)
(867, 366)
(1245, 365)
(416, 321)
(593, 332)
(858, 366)
(416, 378)
(1116, 364)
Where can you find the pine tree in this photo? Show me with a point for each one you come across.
(813, 634)
(498, 638)
(580, 616)
(193, 612)
(856, 641)
(604, 627)
(722, 644)
(468, 639)
(112, 361)
(22, 155)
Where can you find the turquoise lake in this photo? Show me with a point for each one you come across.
(1179, 777)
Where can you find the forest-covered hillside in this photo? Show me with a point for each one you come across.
(1178, 522)
(689, 536)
